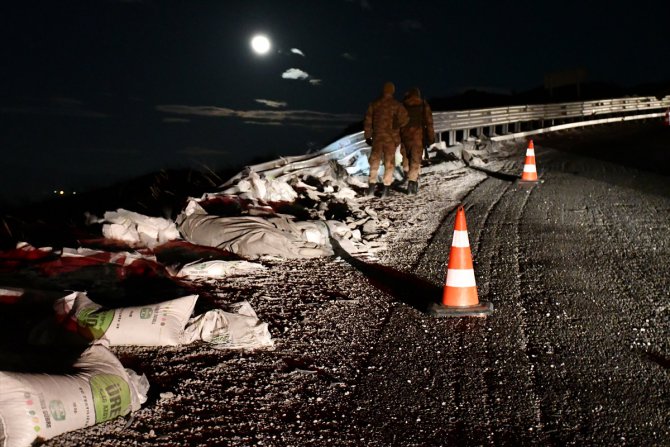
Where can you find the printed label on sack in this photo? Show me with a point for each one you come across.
(58, 405)
(111, 397)
(95, 320)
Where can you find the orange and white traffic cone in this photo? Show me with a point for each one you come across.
(459, 297)
(529, 168)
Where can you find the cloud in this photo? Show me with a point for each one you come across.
(349, 56)
(297, 51)
(64, 101)
(294, 73)
(271, 103)
(57, 106)
(258, 123)
(308, 118)
(410, 25)
(298, 74)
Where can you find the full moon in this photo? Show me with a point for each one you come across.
(260, 44)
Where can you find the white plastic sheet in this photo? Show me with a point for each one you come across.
(252, 236)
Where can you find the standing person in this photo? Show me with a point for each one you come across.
(417, 135)
(383, 120)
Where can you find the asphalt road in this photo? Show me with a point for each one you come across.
(576, 352)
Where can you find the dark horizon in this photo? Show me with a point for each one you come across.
(97, 92)
(469, 99)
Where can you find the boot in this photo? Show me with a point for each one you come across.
(385, 190)
(412, 187)
(371, 189)
(403, 183)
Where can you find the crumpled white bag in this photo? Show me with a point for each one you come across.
(225, 330)
(137, 229)
(256, 188)
(217, 269)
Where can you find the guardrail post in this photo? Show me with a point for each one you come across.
(451, 138)
(517, 127)
(505, 128)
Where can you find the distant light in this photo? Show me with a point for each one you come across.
(61, 192)
(260, 44)
(74, 193)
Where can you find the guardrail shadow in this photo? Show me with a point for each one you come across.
(405, 287)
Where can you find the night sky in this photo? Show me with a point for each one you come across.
(99, 91)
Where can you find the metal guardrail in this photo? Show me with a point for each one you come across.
(339, 150)
(481, 119)
(539, 117)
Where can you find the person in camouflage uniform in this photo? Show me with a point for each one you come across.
(383, 121)
(416, 135)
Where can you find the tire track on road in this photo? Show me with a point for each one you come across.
(440, 374)
(514, 413)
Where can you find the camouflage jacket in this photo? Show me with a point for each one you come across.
(384, 118)
(420, 115)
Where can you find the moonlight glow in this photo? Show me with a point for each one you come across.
(260, 44)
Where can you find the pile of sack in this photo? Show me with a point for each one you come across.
(96, 387)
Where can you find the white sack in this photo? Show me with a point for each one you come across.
(224, 330)
(344, 235)
(256, 188)
(138, 229)
(159, 324)
(358, 164)
(251, 236)
(10, 294)
(345, 194)
(123, 258)
(217, 269)
(34, 406)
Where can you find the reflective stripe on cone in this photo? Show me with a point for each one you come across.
(529, 168)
